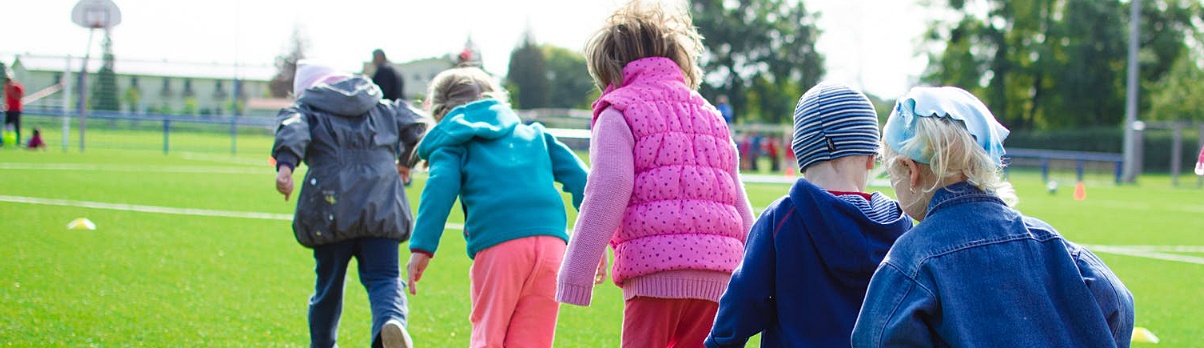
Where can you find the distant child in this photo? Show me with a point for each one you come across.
(504, 173)
(974, 272)
(35, 142)
(665, 189)
(352, 202)
(812, 252)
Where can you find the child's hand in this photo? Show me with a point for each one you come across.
(404, 172)
(284, 181)
(601, 275)
(414, 269)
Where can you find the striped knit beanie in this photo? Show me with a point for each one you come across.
(833, 121)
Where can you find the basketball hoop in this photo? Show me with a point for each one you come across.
(96, 14)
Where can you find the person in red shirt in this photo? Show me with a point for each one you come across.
(13, 92)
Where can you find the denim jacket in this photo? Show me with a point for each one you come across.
(977, 273)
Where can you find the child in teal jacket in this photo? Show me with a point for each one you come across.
(503, 173)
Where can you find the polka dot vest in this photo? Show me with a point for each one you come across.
(682, 213)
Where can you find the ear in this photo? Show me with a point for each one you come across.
(870, 162)
(913, 172)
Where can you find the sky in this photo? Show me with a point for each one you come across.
(867, 43)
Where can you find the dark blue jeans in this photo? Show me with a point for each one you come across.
(380, 273)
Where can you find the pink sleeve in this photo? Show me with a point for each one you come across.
(607, 191)
(743, 207)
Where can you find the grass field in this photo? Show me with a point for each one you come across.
(160, 279)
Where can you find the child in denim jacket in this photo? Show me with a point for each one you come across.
(974, 271)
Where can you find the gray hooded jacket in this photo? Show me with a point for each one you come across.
(350, 139)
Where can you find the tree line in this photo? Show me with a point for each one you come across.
(1038, 64)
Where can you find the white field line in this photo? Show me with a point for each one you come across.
(140, 169)
(1139, 252)
(161, 210)
(226, 159)
(1158, 252)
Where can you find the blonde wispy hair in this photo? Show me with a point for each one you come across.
(643, 29)
(952, 152)
(458, 86)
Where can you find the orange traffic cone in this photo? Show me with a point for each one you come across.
(272, 161)
(1080, 191)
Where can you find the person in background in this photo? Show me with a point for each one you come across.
(35, 142)
(725, 109)
(392, 85)
(811, 253)
(664, 189)
(13, 92)
(975, 271)
(772, 151)
(352, 202)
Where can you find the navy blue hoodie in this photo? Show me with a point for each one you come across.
(807, 264)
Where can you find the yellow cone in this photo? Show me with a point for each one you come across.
(1142, 335)
(81, 224)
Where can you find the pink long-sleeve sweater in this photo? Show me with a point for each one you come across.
(608, 191)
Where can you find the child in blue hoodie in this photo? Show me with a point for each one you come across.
(514, 218)
(811, 254)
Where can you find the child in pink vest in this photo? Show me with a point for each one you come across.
(664, 190)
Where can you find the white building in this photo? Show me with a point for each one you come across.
(161, 86)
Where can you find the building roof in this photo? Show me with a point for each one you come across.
(148, 68)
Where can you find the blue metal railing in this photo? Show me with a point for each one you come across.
(167, 120)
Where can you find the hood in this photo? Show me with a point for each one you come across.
(831, 223)
(487, 119)
(352, 97)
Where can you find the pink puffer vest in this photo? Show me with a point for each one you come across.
(682, 213)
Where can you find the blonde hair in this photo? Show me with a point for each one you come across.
(637, 31)
(952, 152)
(458, 86)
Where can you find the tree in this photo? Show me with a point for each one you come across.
(760, 53)
(1177, 96)
(104, 92)
(569, 83)
(1048, 64)
(527, 75)
(281, 85)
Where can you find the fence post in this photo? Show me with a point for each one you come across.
(1176, 152)
(166, 131)
(1120, 169)
(1044, 170)
(1200, 139)
(234, 134)
(1078, 169)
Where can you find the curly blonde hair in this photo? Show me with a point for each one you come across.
(951, 152)
(458, 86)
(641, 30)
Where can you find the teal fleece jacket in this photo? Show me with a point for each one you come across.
(502, 171)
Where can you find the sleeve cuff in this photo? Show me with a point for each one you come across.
(286, 159)
(574, 294)
(424, 252)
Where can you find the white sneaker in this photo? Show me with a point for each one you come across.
(394, 335)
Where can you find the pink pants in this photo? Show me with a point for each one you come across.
(664, 322)
(514, 293)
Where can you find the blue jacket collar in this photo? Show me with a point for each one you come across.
(958, 193)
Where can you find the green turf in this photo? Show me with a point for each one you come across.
(150, 279)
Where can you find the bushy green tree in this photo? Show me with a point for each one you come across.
(760, 53)
(1047, 64)
(104, 92)
(569, 83)
(528, 75)
(1177, 97)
